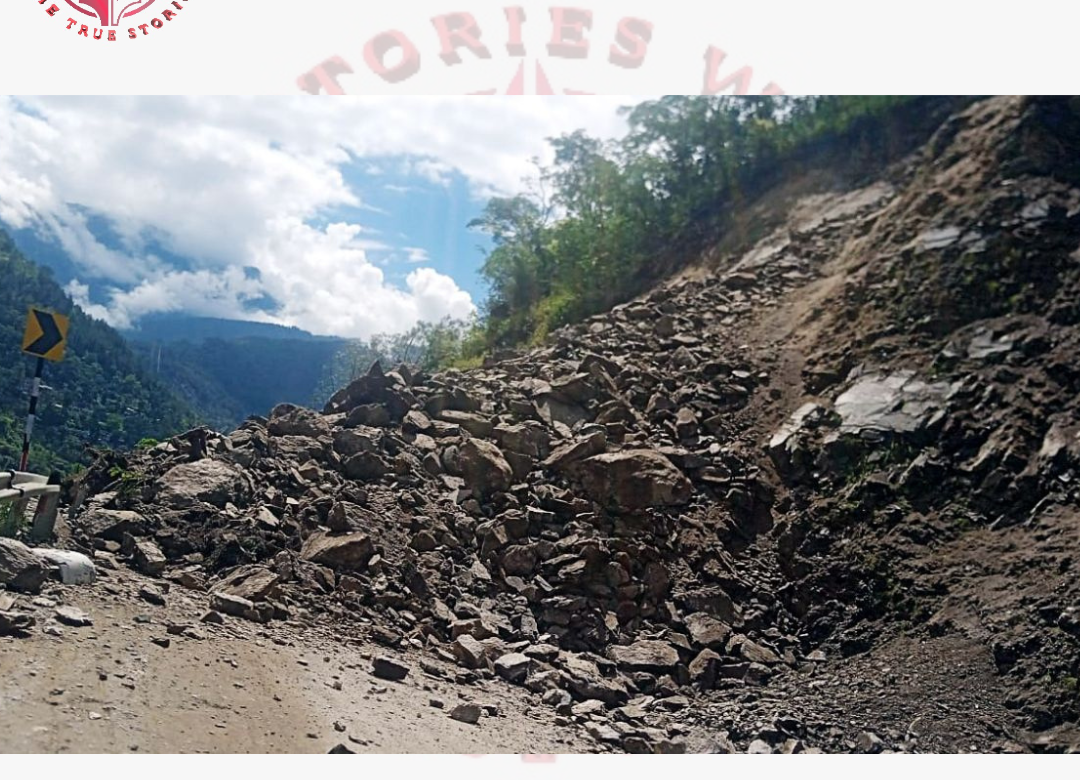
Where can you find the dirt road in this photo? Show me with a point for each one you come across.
(234, 688)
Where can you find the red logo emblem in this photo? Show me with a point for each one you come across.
(104, 20)
(109, 13)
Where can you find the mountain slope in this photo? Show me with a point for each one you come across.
(101, 394)
(229, 379)
(818, 494)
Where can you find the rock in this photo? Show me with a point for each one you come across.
(759, 747)
(20, 568)
(204, 481)
(254, 583)
(229, 605)
(348, 443)
(112, 524)
(369, 415)
(73, 616)
(388, 669)
(897, 403)
(213, 617)
(707, 631)
(566, 455)
(634, 479)
(152, 595)
(786, 449)
(148, 558)
(513, 667)
(162, 642)
(290, 420)
(350, 552)
(601, 732)
(467, 713)
(16, 623)
(754, 653)
(476, 425)
(340, 750)
(703, 668)
(469, 652)
(365, 467)
(869, 742)
(557, 698)
(645, 655)
(484, 468)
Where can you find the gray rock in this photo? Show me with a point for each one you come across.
(112, 524)
(16, 623)
(229, 605)
(349, 552)
(204, 481)
(254, 583)
(513, 667)
(568, 454)
(388, 669)
(645, 655)
(365, 467)
(73, 616)
(290, 420)
(484, 468)
(20, 568)
(148, 558)
(467, 713)
(634, 479)
(478, 426)
(707, 631)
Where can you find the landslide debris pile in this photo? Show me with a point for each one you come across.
(764, 501)
(565, 519)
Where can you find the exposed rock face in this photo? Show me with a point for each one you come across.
(635, 479)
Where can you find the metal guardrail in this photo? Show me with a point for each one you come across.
(18, 488)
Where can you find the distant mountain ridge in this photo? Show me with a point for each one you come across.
(180, 327)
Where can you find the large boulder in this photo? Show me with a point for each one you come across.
(113, 524)
(645, 656)
(254, 583)
(376, 387)
(21, 568)
(484, 468)
(634, 479)
(290, 420)
(475, 424)
(204, 481)
(348, 552)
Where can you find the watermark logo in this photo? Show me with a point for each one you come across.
(573, 37)
(105, 20)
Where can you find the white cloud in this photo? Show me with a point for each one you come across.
(417, 255)
(229, 183)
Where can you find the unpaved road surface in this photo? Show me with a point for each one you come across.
(234, 688)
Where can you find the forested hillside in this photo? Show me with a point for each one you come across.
(101, 394)
(609, 219)
(227, 380)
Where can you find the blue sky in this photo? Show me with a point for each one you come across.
(412, 212)
(344, 216)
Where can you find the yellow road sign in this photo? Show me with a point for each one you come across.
(46, 335)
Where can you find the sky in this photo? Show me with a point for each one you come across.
(343, 216)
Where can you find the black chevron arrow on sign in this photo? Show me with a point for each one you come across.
(50, 338)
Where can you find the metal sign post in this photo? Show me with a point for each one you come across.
(46, 339)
